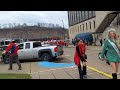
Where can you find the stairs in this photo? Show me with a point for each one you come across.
(106, 21)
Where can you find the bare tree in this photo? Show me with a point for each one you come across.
(24, 25)
(10, 25)
(38, 24)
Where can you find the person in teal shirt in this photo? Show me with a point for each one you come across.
(112, 56)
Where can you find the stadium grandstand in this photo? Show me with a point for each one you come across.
(40, 31)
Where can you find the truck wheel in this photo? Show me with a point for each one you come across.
(5, 60)
(46, 57)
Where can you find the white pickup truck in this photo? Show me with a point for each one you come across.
(35, 50)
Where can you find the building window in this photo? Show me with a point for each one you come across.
(80, 28)
(83, 27)
(94, 14)
(90, 24)
(94, 24)
(72, 18)
(90, 14)
(83, 15)
(75, 13)
(80, 15)
(86, 27)
(75, 30)
(86, 14)
(78, 19)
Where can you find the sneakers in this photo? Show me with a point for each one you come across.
(85, 76)
(9, 68)
(107, 63)
(19, 69)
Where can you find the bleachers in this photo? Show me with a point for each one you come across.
(29, 32)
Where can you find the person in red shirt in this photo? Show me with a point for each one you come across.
(59, 42)
(79, 56)
(13, 55)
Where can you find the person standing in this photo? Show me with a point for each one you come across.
(101, 42)
(113, 53)
(12, 49)
(79, 56)
(86, 42)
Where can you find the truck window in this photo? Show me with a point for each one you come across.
(7, 42)
(1, 43)
(21, 46)
(27, 46)
(36, 44)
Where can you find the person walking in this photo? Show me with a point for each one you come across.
(12, 49)
(113, 53)
(79, 56)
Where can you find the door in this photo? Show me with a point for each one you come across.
(28, 51)
(21, 51)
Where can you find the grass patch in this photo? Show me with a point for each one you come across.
(15, 76)
(0, 54)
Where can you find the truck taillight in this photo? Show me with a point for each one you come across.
(55, 49)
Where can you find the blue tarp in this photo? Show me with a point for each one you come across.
(85, 36)
(55, 65)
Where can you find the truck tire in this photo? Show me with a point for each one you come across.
(5, 60)
(46, 57)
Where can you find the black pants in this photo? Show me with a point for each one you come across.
(12, 58)
(82, 72)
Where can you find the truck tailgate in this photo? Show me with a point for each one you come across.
(60, 49)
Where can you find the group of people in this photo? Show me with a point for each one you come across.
(54, 42)
(74, 42)
(111, 45)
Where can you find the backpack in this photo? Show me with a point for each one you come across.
(13, 48)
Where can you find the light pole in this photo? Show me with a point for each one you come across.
(63, 24)
(63, 28)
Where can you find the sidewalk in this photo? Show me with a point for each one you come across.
(39, 72)
(66, 73)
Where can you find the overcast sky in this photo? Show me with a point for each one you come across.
(32, 17)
